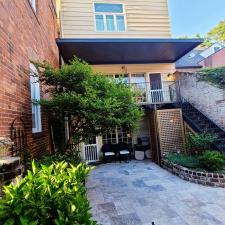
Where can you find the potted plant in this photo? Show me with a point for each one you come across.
(5, 145)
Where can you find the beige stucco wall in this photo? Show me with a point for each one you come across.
(163, 68)
(145, 18)
(205, 96)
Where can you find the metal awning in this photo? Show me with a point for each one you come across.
(126, 51)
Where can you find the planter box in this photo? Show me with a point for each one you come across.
(198, 177)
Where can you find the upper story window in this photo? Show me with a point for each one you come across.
(33, 4)
(109, 17)
(35, 97)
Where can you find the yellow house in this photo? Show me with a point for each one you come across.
(133, 38)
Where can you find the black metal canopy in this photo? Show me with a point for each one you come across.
(126, 51)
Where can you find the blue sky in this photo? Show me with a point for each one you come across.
(189, 17)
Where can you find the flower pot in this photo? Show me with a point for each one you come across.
(139, 155)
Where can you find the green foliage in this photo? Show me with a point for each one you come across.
(213, 75)
(212, 161)
(183, 160)
(52, 194)
(218, 33)
(196, 143)
(93, 103)
(69, 156)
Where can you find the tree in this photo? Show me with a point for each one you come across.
(218, 32)
(206, 43)
(93, 103)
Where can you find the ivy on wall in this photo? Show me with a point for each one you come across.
(214, 76)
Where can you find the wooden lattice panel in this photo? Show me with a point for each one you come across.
(171, 130)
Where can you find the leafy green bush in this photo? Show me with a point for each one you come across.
(212, 160)
(196, 143)
(213, 75)
(69, 156)
(183, 160)
(54, 194)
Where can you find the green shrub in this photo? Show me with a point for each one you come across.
(212, 160)
(70, 156)
(197, 143)
(48, 195)
(183, 160)
(213, 76)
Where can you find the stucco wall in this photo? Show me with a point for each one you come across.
(215, 60)
(205, 96)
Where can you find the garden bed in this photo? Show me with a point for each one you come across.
(199, 177)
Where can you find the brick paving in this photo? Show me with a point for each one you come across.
(140, 192)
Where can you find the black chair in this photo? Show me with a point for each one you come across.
(109, 153)
(123, 151)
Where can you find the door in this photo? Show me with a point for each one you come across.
(156, 88)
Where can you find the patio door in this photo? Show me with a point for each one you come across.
(156, 88)
(91, 150)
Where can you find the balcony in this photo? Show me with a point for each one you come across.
(155, 93)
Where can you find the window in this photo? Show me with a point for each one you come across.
(139, 85)
(118, 135)
(124, 78)
(33, 4)
(35, 96)
(109, 17)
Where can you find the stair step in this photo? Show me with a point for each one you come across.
(9, 163)
(9, 175)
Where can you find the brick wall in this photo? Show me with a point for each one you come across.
(205, 96)
(24, 36)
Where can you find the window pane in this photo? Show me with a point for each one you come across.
(110, 23)
(34, 116)
(122, 78)
(105, 7)
(120, 23)
(137, 78)
(99, 23)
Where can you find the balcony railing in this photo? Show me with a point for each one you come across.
(155, 93)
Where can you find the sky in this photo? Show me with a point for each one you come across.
(191, 17)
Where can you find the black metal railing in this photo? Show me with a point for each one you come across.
(201, 123)
(155, 93)
(19, 138)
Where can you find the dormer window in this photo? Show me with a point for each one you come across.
(109, 17)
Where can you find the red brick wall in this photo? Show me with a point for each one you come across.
(24, 36)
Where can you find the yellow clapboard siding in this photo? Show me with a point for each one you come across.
(144, 18)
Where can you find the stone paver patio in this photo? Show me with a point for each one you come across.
(138, 193)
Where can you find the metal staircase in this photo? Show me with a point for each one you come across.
(201, 123)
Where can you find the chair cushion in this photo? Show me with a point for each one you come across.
(124, 152)
(109, 153)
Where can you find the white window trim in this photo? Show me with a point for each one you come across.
(33, 4)
(35, 106)
(114, 18)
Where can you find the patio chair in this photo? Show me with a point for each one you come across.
(124, 151)
(109, 153)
